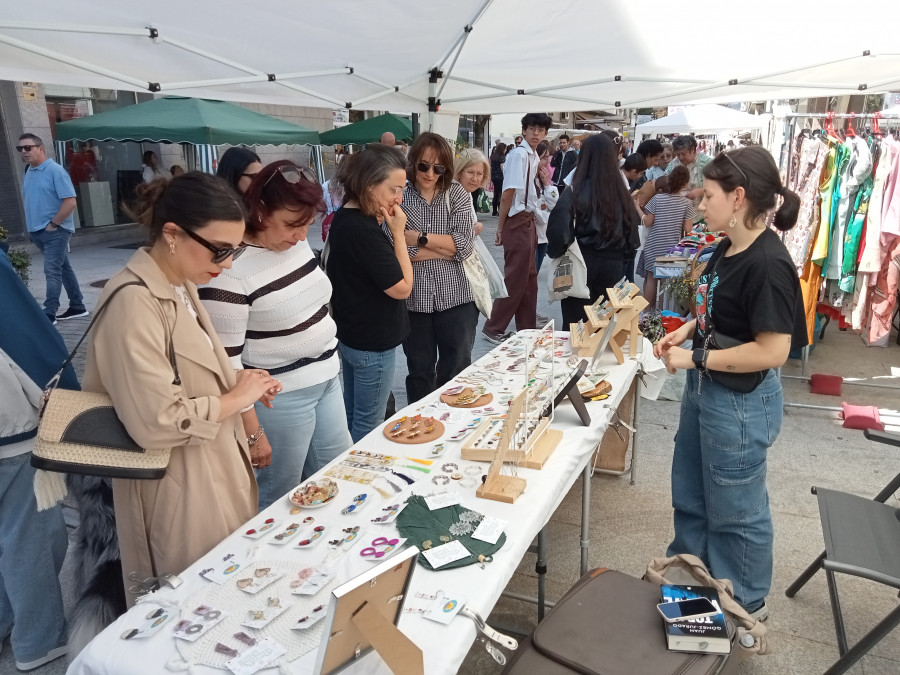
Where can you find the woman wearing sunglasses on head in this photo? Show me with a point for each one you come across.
(271, 311)
(440, 235)
(749, 316)
(196, 228)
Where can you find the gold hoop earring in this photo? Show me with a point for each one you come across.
(733, 221)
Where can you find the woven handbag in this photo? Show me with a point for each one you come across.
(79, 431)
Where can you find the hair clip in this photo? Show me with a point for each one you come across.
(226, 650)
(246, 639)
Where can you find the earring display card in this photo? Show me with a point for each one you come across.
(389, 514)
(310, 619)
(226, 570)
(201, 620)
(312, 537)
(262, 615)
(156, 619)
(261, 529)
(442, 500)
(311, 580)
(257, 580)
(446, 553)
(445, 608)
(289, 532)
(260, 655)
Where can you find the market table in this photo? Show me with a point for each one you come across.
(444, 646)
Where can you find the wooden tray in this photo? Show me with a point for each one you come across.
(405, 425)
(484, 399)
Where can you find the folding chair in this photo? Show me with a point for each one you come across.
(862, 538)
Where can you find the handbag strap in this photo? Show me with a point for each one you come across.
(55, 379)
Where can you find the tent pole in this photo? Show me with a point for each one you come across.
(481, 10)
(309, 92)
(78, 63)
(432, 96)
(488, 85)
(61, 28)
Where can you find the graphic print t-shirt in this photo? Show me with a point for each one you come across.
(754, 291)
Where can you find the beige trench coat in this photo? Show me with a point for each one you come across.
(209, 489)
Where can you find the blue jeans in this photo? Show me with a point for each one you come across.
(541, 254)
(32, 549)
(306, 428)
(367, 384)
(57, 270)
(719, 482)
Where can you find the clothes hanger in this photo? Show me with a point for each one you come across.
(851, 132)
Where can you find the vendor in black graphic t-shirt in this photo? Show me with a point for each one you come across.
(371, 279)
(749, 316)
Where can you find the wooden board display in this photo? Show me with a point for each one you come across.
(480, 448)
(453, 401)
(405, 433)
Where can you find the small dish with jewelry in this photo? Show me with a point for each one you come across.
(314, 494)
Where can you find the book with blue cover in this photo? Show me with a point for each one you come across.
(706, 635)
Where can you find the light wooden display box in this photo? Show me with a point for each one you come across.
(545, 442)
(627, 312)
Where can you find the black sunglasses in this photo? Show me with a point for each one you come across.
(219, 254)
(293, 174)
(439, 169)
(26, 148)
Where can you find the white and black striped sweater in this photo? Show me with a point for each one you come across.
(271, 311)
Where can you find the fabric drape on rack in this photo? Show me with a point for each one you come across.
(805, 182)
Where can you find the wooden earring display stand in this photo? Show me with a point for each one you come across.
(626, 307)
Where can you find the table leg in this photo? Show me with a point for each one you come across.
(585, 517)
(541, 569)
(634, 427)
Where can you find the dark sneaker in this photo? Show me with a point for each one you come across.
(496, 339)
(72, 314)
(760, 614)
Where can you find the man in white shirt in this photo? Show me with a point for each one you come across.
(516, 232)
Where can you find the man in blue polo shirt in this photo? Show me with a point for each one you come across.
(49, 202)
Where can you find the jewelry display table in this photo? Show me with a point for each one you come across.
(444, 646)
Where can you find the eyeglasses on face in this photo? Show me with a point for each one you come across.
(26, 148)
(292, 174)
(439, 169)
(220, 254)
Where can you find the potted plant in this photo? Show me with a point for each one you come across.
(19, 257)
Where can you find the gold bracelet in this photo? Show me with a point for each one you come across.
(253, 438)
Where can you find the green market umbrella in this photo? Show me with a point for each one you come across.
(419, 525)
(369, 131)
(176, 119)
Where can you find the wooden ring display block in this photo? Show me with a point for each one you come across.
(406, 429)
(484, 399)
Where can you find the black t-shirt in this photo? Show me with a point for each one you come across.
(754, 291)
(361, 265)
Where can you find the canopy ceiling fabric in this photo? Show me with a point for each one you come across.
(496, 56)
(706, 118)
(369, 130)
(175, 119)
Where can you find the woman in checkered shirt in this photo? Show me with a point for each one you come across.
(439, 235)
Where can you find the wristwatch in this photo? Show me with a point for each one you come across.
(54, 224)
(699, 357)
(423, 239)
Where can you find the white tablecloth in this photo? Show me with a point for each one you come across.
(445, 647)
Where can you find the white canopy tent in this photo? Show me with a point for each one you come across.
(703, 119)
(482, 56)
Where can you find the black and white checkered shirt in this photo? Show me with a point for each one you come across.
(440, 284)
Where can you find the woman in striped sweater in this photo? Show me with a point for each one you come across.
(271, 312)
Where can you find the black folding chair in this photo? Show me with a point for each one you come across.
(862, 538)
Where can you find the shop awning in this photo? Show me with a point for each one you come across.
(369, 130)
(703, 119)
(175, 119)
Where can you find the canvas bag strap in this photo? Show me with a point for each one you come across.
(659, 567)
(55, 380)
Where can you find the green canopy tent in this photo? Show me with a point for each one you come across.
(175, 119)
(369, 131)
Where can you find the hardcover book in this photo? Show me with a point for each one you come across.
(707, 635)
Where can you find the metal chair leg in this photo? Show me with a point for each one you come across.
(836, 613)
(869, 640)
(541, 568)
(808, 574)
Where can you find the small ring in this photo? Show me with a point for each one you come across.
(450, 467)
(473, 470)
(467, 482)
(440, 479)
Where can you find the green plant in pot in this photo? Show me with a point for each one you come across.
(19, 257)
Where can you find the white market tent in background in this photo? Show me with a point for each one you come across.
(492, 55)
(703, 119)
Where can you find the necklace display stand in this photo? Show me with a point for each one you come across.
(613, 321)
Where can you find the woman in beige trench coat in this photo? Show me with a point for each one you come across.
(196, 227)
